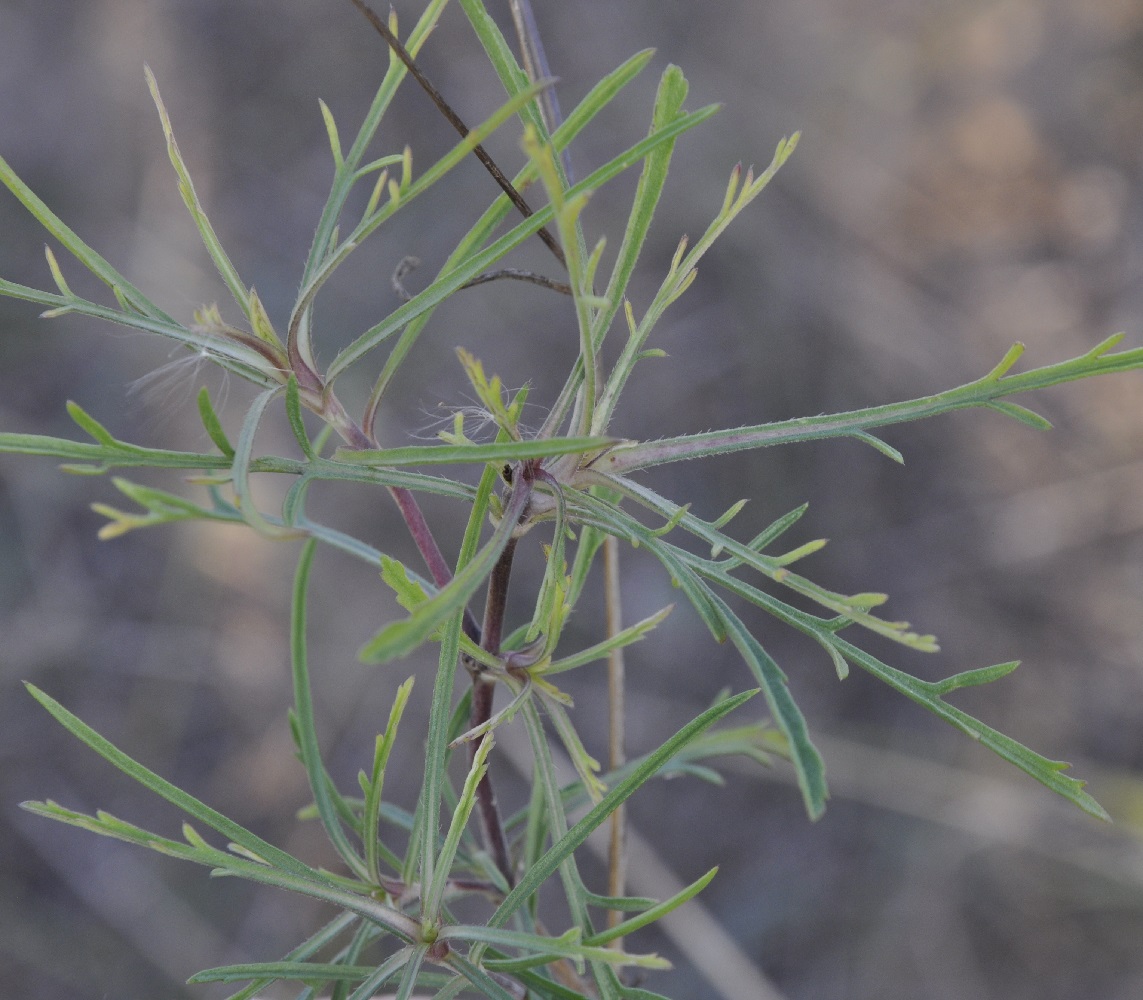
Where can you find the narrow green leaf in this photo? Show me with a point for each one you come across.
(682, 274)
(330, 972)
(500, 55)
(176, 796)
(971, 678)
(412, 968)
(57, 274)
(567, 945)
(535, 876)
(498, 718)
(1047, 772)
(186, 188)
(493, 451)
(586, 766)
(1021, 413)
(401, 637)
(304, 715)
(1106, 345)
(368, 225)
(230, 352)
(161, 507)
(731, 513)
(1011, 356)
(326, 236)
(119, 455)
(625, 904)
(128, 293)
(881, 446)
(159, 501)
(855, 607)
(777, 528)
(481, 980)
(650, 915)
(213, 425)
(331, 132)
(106, 825)
(423, 843)
(669, 98)
(840, 666)
(602, 94)
(308, 948)
(410, 594)
(382, 974)
(294, 413)
(592, 510)
(314, 884)
(808, 764)
(90, 424)
(241, 466)
(981, 393)
(479, 262)
(599, 651)
(434, 894)
(803, 550)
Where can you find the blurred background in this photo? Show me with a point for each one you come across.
(969, 174)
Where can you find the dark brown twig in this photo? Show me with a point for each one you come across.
(454, 119)
(483, 690)
(483, 687)
(514, 273)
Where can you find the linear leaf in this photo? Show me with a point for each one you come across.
(401, 637)
(241, 466)
(653, 762)
(493, 451)
(190, 198)
(384, 972)
(311, 946)
(653, 913)
(330, 972)
(434, 893)
(440, 712)
(368, 225)
(807, 762)
(983, 392)
(93, 261)
(567, 945)
(469, 268)
(482, 230)
(1021, 413)
(633, 633)
(305, 726)
(212, 425)
(1047, 772)
(176, 796)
